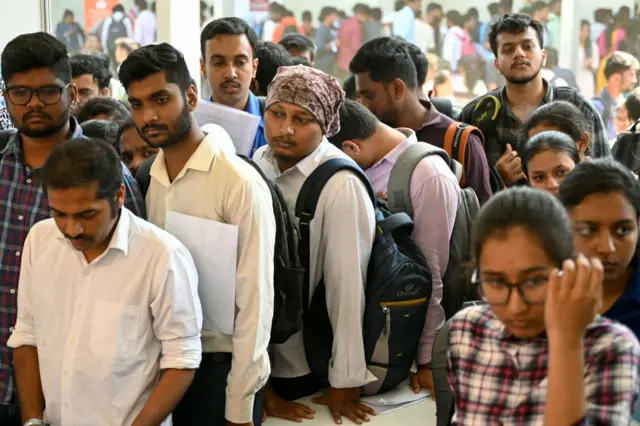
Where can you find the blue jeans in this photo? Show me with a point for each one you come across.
(10, 415)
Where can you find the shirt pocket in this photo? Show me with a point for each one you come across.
(114, 330)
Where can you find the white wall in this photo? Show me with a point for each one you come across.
(20, 20)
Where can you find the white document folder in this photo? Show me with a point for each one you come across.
(241, 126)
(214, 247)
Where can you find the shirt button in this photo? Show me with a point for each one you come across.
(28, 180)
(12, 291)
(20, 217)
(11, 329)
(17, 253)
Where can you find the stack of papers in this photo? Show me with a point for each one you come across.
(240, 125)
(395, 399)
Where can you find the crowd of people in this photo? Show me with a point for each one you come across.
(356, 210)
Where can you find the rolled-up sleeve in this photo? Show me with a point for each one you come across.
(24, 331)
(348, 236)
(176, 309)
(251, 210)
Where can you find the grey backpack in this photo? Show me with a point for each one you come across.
(457, 287)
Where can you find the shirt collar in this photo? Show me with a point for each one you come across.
(120, 238)
(432, 116)
(393, 155)
(549, 95)
(307, 165)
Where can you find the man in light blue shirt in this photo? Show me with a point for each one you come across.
(404, 20)
(229, 64)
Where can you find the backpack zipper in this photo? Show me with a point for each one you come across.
(386, 309)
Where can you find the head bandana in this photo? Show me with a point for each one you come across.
(311, 89)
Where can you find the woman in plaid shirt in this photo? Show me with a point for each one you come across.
(537, 352)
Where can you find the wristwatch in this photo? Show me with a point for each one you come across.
(36, 422)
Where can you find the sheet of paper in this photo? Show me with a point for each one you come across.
(401, 394)
(216, 265)
(240, 125)
(386, 409)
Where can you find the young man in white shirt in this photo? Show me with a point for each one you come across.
(301, 111)
(193, 175)
(109, 318)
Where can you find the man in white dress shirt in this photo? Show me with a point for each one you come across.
(301, 110)
(195, 176)
(108, 329)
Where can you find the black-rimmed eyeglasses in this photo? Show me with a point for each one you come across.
(533, 291)
(48, 95)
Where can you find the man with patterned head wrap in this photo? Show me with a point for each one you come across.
(301, 111)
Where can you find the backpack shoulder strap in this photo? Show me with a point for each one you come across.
(143, 175)
(312, 187)
(443, 105)
(398, 189)
(307, 203)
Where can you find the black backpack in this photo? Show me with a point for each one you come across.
(117, 29)
(288, 275)
(397, 291)
(457, 286)
(626, 149)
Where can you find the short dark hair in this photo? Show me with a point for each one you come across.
(306, 16)
(83, 162)
(349, 87)
(455, 17)
(153, 59)
(399, 4)
(561, 114)
(376, 14)
(114, 109)
(118, 8)
(300, 61)
(516, 23)
(327, 11)
(539, 212)
(123, 127)
(632, 104)
(142, 4)
(361, 8)
(356, 122)
(227, 26)
(101, 129)
(298, 41)
(93, 65)
(549, 141)
(432, 7)
(420, 61)
(270, 57)
(619, 62)
(35, 50)
(538, 6)
(67, 12)
(493, 8)
(600, 176)
(385, 59)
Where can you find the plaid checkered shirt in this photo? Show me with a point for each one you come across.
(498, 379)
(22, 204)
(506, 128)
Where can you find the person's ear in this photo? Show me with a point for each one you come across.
(255, 67)
(120, 196)
(203, 68)
(496, 66)
(73, 93)
(351, 148)
(398, 89)
(192, 97)
(583, 143)
(105, 92)
(544, 57)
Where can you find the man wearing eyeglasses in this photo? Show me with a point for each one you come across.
(37, 72)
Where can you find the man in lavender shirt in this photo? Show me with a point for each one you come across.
(387, 81)
(434, 197)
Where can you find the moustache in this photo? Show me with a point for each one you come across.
(517, 64)
(157, 127)
(33, 114)
(285, 140)
(77, 237)
(233, 84)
